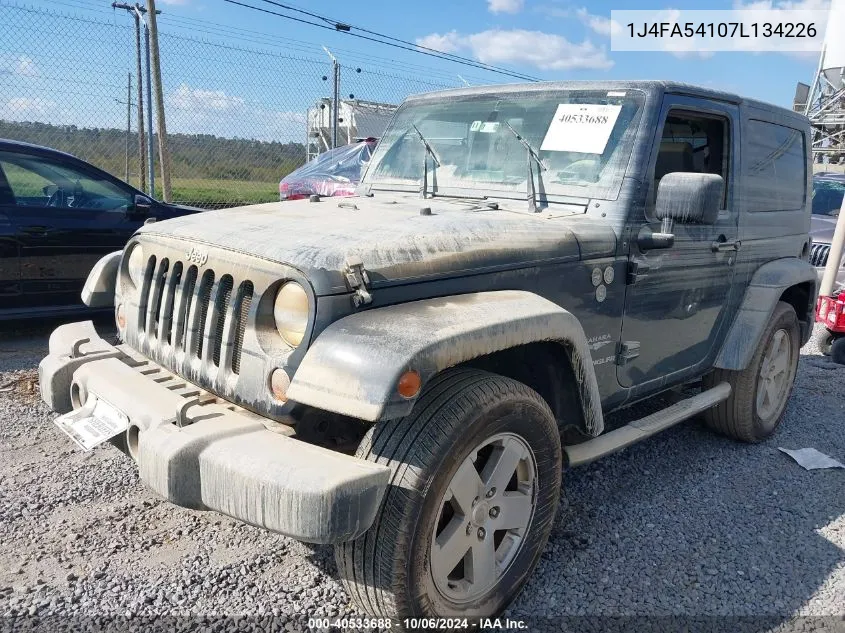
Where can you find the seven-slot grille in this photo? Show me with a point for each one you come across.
(818, 254)
(191, 313)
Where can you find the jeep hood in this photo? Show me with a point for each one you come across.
(395, 241)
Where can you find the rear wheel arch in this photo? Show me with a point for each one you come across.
(788, 279)
(802, 299)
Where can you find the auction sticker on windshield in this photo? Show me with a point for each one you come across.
(93, 423)
(581, 127)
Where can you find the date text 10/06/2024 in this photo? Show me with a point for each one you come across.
(503, 624)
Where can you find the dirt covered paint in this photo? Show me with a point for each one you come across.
(428, 337)
(393, 239)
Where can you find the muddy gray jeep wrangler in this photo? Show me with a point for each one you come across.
(406, 373)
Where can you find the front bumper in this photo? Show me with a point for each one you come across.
(202, 452)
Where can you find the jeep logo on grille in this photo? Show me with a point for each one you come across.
(196, 256)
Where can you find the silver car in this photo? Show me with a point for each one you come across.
(828, 190)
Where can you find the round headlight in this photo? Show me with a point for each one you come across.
(290, 311)
(135, 265)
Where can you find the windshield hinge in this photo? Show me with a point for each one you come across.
(626, 351)
(358, 280)
(636, 271)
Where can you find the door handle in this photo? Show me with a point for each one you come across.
(722, 244)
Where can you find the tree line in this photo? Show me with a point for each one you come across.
(200, 156)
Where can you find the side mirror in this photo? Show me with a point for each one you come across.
(686, 198)
(141, 206)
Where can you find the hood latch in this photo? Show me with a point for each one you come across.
(358, 280)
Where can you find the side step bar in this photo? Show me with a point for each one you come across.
(645, 427)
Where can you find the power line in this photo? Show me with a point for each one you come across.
(346, 27)
(414, 48)
(273, 40)
(267, 39)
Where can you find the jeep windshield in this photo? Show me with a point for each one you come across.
(583, 138)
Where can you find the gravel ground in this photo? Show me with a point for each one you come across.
(685, 525)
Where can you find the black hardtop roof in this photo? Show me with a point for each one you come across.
(652, 86)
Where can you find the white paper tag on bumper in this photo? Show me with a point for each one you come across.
(94, 423)
(581, 127)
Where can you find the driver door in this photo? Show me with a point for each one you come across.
(679, 297)
(64, 218)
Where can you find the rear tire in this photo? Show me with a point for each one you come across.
(759, 392)
(476, 470)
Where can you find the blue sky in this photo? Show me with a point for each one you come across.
(550, 39)
(66, 61)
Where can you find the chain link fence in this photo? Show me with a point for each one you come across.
(239, 118)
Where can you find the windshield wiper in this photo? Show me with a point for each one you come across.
(533, 157)
(428, 152)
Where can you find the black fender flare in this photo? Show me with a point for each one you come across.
(765, 289)
(354, 365)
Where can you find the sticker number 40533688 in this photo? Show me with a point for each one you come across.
(581, 127)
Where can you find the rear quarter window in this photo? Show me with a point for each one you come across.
(774, 167)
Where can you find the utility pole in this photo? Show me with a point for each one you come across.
(139, 11)
(335, 96)
(142, 141)
(163, 154)
(146, 166)
(128, 119)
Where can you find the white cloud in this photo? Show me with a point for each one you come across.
(505, 6)
(554, 11)
(187, 98)
(22, 108)
(26, 67)
(446, 43)
(174, 2)
(20, 65)
(546, 51)
(598, 23)
(199, 111)
(535, 48)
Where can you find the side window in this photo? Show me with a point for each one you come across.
(40, 182)
(774, 167)
(7, 198)
(696, 143)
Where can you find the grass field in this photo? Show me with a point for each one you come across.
(201, 192)
(191, 191)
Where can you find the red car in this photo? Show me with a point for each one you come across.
(336, 172)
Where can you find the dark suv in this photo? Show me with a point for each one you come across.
(406, 373)
(58, 216)
(828, 190)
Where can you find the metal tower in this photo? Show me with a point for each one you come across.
(824, 102)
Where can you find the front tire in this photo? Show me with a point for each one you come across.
(470, 504)
(759, 392)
